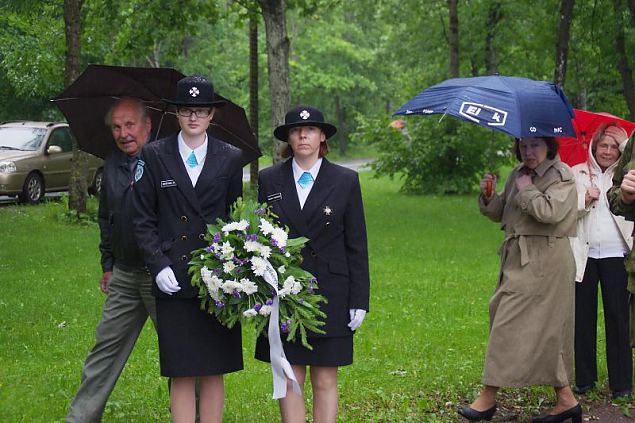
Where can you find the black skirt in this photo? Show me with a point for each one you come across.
(193, 342)
(327, 352)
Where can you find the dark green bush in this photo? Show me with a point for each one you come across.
(432, 157)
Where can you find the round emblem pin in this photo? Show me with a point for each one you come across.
(305, 115)
(194, 91)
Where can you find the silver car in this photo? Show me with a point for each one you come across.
(35, 157)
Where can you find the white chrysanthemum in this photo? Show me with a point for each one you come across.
(229, 287)
(265, 310)
(258, 265)
(215, 282)
(202, 256)
(248, 287)
(280, 236)
(283, 292)
(227, 250)
(228, 228)
(215, 247)
(287, 254)
(296, 288)
(288, 282)
(265, 251)
(281, 269)
(206, 274)
(265, 227)
(250, 313)
(242, 225)
(251, 246)
(228, 266)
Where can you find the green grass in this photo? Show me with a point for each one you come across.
(417, 356)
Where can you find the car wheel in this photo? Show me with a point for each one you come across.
(33, 189)
(95, 188)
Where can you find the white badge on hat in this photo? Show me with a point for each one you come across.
(305, 115)
(194, 91)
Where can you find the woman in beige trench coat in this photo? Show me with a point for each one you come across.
(532, 309)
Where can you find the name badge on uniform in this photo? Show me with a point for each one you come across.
(168, 183)
(274, 197)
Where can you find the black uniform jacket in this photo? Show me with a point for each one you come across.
(333, 220)
(118, 244)
(172, 215)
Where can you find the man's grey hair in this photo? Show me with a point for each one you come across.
(140, 105)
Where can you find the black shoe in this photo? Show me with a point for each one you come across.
(475, 416)
(574, 413)
(583, 389)
(621, 394)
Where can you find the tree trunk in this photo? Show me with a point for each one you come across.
(273, 12)
(453, 38)
(493, 18)
(562, 43)
(78, 189)
(253, 91)
(342, 135)
(623, 66)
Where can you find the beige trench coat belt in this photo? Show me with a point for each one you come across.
(522, 244)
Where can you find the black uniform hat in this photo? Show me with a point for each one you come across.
(195, 90)
(303, 116)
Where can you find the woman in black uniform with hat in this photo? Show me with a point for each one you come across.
(323, 202)
(183, 183)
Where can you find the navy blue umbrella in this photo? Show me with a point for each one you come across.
(519, 107)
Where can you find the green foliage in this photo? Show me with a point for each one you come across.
(75, 217)
(418, 355)
(432, 157)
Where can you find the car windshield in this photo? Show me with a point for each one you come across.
(22, 138)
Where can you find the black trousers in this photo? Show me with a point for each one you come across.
(611, 274)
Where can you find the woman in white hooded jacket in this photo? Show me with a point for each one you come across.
(599, 249)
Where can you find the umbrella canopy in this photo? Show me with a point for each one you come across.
(519, 107)
(87, 100)
(574, 150)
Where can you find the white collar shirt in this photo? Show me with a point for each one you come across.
(200, 153)
(303, 193)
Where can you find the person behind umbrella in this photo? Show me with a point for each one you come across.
(531, 311)
(323, 202)
(621, 198)
(125, 279)
(599, 249)
(187, 181)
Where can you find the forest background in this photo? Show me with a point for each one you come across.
(355, 60)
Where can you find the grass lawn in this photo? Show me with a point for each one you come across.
(418, 354)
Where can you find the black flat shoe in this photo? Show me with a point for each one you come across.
(574, 413)
(475, 416)
(582, 389)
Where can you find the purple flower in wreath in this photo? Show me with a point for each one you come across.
(219, 304)
(269, 301)
(260, 211)
(301, 301)
(284, 327)
(274, 242)
(257, 306)
(238, 270)
(216, 237)
(236, 294)
(252, 237)
(283, 250)
(216, 271)
(209, 249)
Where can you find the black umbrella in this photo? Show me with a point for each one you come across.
(87, 100)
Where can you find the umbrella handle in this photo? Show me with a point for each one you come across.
(156, 135)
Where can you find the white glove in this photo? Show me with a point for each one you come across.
(166, 281)
(357, 317)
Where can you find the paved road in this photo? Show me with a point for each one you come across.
(356, 165)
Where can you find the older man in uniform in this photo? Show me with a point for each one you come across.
(125, 281)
